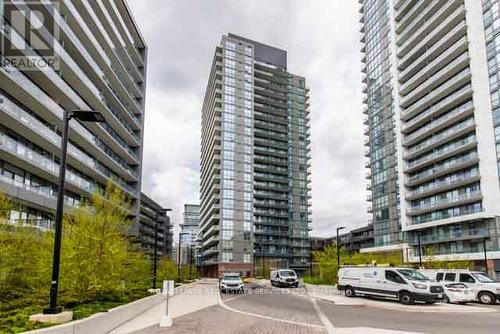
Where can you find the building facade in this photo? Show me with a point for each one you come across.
(438, 64)
(154, 216)
(352, 241)
(100, 65)
(255, 161)
(189, 232)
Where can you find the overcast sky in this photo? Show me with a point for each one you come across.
(322, 40)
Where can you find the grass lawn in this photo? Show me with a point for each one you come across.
(16, 309)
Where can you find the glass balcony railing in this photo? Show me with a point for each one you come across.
(452, 199)
(438, 121)
(451, 236)
(420, 104)
(442, 183)
(444, 166)
(437, 153)
(18, 113)
(45, 163)
(440, 136)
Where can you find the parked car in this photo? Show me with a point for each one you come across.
(231, 282)
(486, 290)
(284, 277)
(458, 293)
(403, 284)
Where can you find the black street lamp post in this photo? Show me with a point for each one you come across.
(420, 248)
(84, 116)
(338, 245)
(485, 255)
(190, 260)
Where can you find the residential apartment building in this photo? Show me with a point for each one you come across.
(189, 232)
(352, 241)
(254, 161)
(191, 224)
(100, 65)
(154, 216)
(433, 125)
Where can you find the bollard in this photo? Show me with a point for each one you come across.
(168, 290)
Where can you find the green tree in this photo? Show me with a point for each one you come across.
(23, 255)
(432, 262)
(6, 206)
(99, 257)
(167, 270)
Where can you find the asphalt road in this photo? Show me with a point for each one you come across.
(263, 309)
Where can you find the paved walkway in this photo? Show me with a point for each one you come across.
(191, 298)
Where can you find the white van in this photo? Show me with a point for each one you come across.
(403, 284)
(486, 290)
(284, 277)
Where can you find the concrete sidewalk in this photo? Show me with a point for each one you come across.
(188, 299)
(330, 293)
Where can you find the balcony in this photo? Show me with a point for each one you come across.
(447, 88)
(404, 8)
(407, 25)
(445, 203)
(455, 39)
(416, 89)
(456, 28)
(409, 39)
(457, 164)
(477, 233)
(441, 138)
(461, 112)
(441, 186)
(443, 153)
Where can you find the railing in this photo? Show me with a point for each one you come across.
(436, 138)
(443, 167)
(438, 184)
(448, 200)
(459, 76)
(437, 121)
(444, 150)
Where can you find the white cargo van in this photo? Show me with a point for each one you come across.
(486, 290)
(403, 284)
(284, 277)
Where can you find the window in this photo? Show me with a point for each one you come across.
(227, 234)
(247, 226)
(227, 257)
(246, 258)
(439, 277)
(228, 204)
(227, 224)
(466, 278)
(227, 213)
(450, 277)
(393, 277)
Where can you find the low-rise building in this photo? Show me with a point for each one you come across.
(153, 215)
